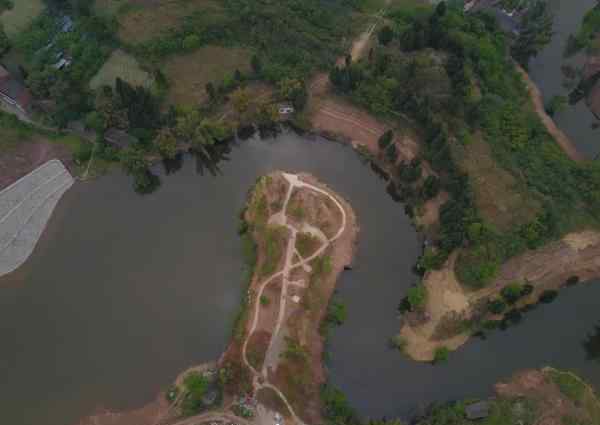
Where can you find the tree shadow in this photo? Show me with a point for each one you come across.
(591, 344)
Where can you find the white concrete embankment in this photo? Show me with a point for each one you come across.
(25, 208)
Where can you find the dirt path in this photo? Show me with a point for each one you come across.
(261, 379)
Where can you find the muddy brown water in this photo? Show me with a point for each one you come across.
(124, 292)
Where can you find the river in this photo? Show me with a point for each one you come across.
(576, 121)
(123, 292)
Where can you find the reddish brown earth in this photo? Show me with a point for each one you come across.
(26, 157)
(150, 414)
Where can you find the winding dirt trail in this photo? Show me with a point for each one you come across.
(260, 379)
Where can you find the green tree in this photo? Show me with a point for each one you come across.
(211, 92)
(391, 153)
(431, 187)
(556, 105)
(536, 32)
(256, 64)
(4, 41)
(512, 292)
(385, 35)
(241, 101)
(417, 297)
(385, 139)
(166, 143)
(441, 355)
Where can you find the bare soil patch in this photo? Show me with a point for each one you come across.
(28, 155)
(257, 348)
(147, 415)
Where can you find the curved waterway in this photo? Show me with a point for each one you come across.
(545, 69)
(124, 292)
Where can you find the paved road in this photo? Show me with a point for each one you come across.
(25, 208)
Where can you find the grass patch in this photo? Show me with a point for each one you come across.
(188, 74)
(275, 237)
(140, 23)
(307, 244)
(123, 66)
(500, 198)
(568, 384)
(14, 132)
(20, 16)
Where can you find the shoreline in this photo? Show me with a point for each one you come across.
(548, 268)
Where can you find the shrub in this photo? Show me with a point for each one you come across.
(548, 296)
(398, 342)
(511, 293)
(497, 306)
(337, 313)
(264, 300)
(385, 139)
(441, 355)
(417, 296)
(527, 289)
(391, 153)
(431, 187)
(573, 280)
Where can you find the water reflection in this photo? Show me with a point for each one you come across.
(591, 345)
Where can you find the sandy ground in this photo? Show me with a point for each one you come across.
(538, 102)
(577, 254)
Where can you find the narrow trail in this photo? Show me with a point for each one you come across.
(294, 182)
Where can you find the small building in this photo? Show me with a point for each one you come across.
(13, 92)
(286, 109)
(119, 139)
(478, 410)
(62, 63)
(66, 24)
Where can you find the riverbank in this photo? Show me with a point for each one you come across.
(538, 104)
(547, 396)
(450, 307)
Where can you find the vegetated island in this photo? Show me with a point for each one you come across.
(298, 236)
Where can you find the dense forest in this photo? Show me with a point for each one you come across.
(453, 74)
